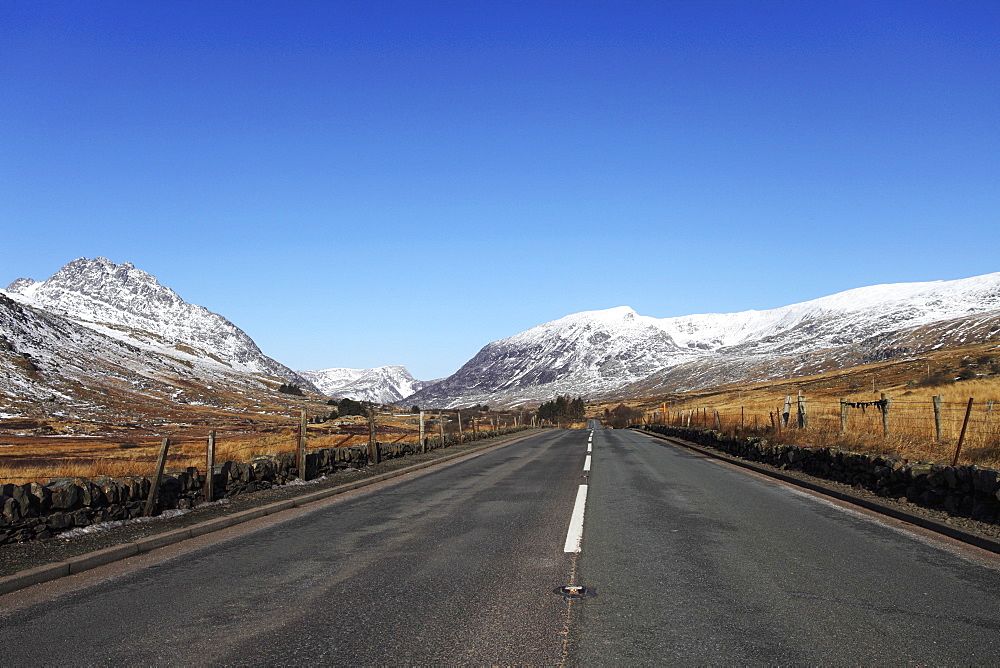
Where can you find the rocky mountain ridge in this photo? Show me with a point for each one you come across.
(617, 352)
(384, 385)
(100, 339)
(123, 302)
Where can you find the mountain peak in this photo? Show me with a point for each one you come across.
(384, 384)
(21, 286)
(594, 352)
(129, 303)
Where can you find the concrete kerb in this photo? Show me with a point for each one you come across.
(869, 504)
(80, 563)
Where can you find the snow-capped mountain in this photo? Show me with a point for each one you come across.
(383, 385)
(128, 304)
(55, 367)
(600, 353)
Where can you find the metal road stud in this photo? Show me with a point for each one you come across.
(574, 591)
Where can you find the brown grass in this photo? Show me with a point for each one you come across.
(750, 408)
(39, 459)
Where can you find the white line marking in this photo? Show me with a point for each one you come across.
(586, 463)
(574, 537)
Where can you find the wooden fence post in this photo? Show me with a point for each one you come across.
(459, 427)
(803, 418)
(154, 489)
(718, 421)
(374, 456)
(886, 405)
(210, 467)
(786, 413)
(742, 420)
(300, 459)
(843, 415)
(423, 443)
(441, 425)
(937, 415)
(961, 438)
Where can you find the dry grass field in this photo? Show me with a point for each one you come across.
(908, 429)
(133, 450)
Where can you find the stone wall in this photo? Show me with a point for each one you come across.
(37, 511)
(964, 491)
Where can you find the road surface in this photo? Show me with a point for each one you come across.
(692, 561)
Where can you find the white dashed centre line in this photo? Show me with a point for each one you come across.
(574, 537)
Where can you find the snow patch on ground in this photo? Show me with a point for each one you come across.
(299, 482)
(106, 526)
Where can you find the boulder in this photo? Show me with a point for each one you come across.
(41, 497)
(10, 510)
(65, 494)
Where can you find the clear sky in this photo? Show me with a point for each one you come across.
(367, 183)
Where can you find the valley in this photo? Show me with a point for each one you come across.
(100, 361)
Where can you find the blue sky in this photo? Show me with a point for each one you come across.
(367, 183)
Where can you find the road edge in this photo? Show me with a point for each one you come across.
(78, 564)
(948, 530)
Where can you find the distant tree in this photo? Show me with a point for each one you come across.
(415, 409)
(350, 407)
(622, 416)
(290, 389)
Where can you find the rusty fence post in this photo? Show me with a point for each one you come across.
(961, 438)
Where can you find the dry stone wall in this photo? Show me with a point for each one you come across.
(37, 511)
(964, 491)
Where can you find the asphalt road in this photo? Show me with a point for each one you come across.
(698, 562)
(692, 562)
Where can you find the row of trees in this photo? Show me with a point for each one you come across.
(622, 416)
(563, 409)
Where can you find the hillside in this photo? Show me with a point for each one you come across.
(617, 352)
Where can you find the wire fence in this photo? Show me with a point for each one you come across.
(927, 429)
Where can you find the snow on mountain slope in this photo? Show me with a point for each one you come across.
(861, 310)
(384, 385)
(583, 353)
(129, 304)
(54, 366)
(598, 353)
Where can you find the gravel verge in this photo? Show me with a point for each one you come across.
(44, 555)
(985, 535)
